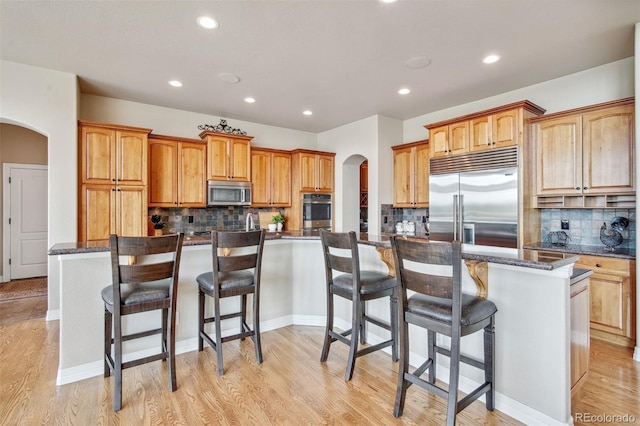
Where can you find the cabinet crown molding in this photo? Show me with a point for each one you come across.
(585, 109)
(111, 126)
(205, 133)
(526, 105)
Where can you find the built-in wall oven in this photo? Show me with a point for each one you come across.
(316, 211)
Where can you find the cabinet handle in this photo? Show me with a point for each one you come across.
(577, 187)
(585, 187)
(598, 265)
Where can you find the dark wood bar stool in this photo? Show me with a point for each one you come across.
(234, 274)
(439, 306)
(341, 254)
(145, 278)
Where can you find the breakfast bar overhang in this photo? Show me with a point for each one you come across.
(532, 323)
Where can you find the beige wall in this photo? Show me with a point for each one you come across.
(19, 145)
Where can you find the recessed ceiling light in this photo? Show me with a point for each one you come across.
(418, 62)
(207, 22)
(249, 100)
(227, 77)
(175, 83)
(307, 112)
(491, 59)
(404, 91)
(387, 1)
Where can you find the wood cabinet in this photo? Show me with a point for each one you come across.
(177, 172)
(364, 184)
(489, 129)
(612, 298)
(313, 170)
(228, 156)
(497, 130)
(450, 139)
(586, 157)
(270, 178)
(113, 180)
(411, 174)
(579, 323)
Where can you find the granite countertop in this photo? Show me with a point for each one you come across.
(527, 258)
(620, 253)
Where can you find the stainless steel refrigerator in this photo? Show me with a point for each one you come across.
(474, 198)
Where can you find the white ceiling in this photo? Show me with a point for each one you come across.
(344, 60)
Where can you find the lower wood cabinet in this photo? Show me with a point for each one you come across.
(612, 298)
(112, 209)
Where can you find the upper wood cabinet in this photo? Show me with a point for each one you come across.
(411, 174)
(112, 154)
(586, 152)
(228, 156)
(312, 170)
(270, 178)
(494, 128)
(177, 172)
(494, 131)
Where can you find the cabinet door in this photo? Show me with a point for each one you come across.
(364, 176)
(192, 166)
(608, 150)
(281, 179)
(97, 216)
(240, 160)
(131, 158)
(439, 141)
(131, 211)
(559, 156)
(325, 173)
(402, 175)
(308, 180)
(459, 138)
(421, 176)
(260, 178)
(504, 129)
(607, 303)
(163, 178)
(480, 134)
(98, 155)
(218, 158)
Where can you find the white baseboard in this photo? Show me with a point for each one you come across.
(53, 315)
(504, 404)
(636, 354)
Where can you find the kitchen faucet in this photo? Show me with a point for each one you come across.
(249, 223)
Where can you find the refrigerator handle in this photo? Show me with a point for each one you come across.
(455, 217)
(461, 218)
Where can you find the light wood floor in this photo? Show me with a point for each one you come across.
(291, 387)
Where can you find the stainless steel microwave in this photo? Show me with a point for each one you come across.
(221, 193)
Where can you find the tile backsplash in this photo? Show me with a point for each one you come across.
(189, 220)
(584, 225)
(394, 215)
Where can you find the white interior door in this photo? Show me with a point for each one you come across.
(28, 221)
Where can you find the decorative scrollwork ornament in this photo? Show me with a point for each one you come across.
(223, 127)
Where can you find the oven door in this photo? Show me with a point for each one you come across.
(316, 211)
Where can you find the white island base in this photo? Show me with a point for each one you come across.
(532, 323)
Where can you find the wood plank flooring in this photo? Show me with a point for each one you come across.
(291, 387)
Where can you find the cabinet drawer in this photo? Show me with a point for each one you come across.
(604, 265)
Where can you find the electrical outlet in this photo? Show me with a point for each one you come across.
(385, 219)
(564, 224)
(190, 219)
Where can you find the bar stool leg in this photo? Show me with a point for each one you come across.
(328, 329)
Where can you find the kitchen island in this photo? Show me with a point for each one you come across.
(532, 323)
